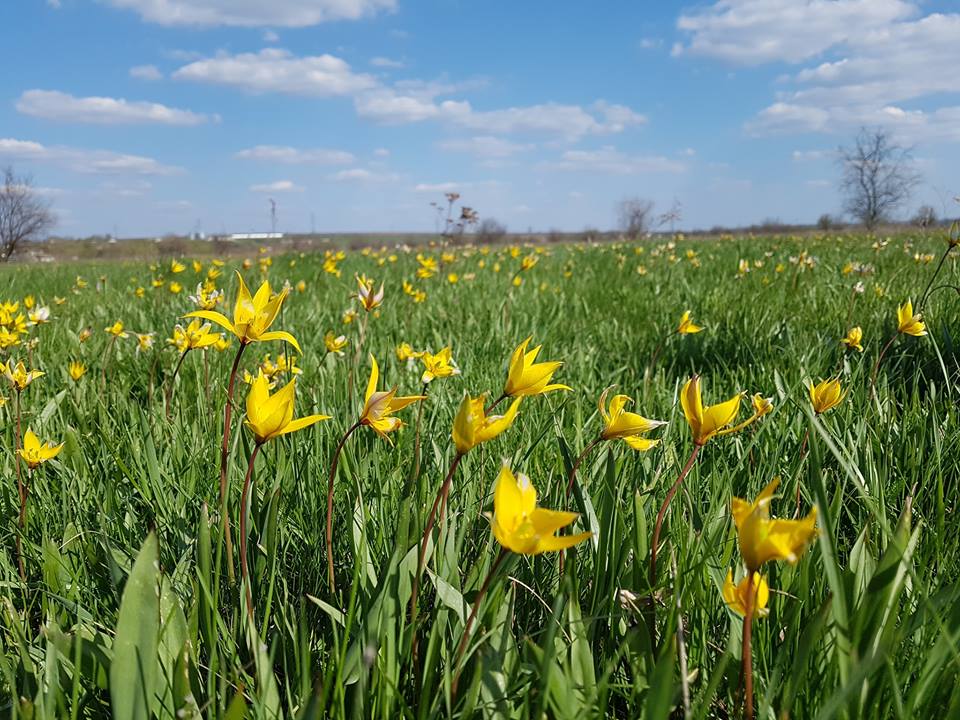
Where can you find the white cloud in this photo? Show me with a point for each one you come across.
(269, 36)
(278, 186)
(485, 146)
(818, 183)
(252, 13)
(102, 162)
(54, 105)
(608, 160)
(441, 187)
(293, 156)
(146, 72)
(809, 155)
(381, 152)
(278, 71)
(751, 32)
(383, 62)
(364, 176)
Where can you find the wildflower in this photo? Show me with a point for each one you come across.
(206, 299)
(140, 292)
(736, 596)
(39, 315)
(175, 287)
(706, 422)
(85, 334)
(528, 262)
(453, 278)
(76, 370)
(623, 425)
(405, 352)
(366, 295)
(761, 405)
(762, 539)
(379, 406)
(522, 527)
(528, 377)
(825, 395)
(177, 267)
(19, 376)
(853, 339)
(349, 315)
(269, 416)
(301, 286)
(686, 326)
(439, 365)
(29, 302)
(335, 344)
(252, 316)
(194, 336)
(222, 343)
(57, 300)
(34, 453)
(473, 426)
(144, 341)
(908, 323)
(117, 330)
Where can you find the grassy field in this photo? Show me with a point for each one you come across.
(127, 608)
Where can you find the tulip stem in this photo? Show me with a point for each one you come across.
(662, 513)
(415, 472)
(106, 357)
(876, 367)
(330, 479)
(503, 396)
(21, 492)
(414, 593)
(654, 356)
(244, 572)
(747, 653)
(580, 459)
(173, 380)
(224, 452)
(461, 649)
(926, 291)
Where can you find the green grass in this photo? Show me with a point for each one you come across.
(128, 612)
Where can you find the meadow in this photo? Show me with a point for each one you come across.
(130, 604)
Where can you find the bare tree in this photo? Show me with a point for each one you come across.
(490, 231)
(635, 216)
(23, 215)
(925, 218)
(878, 176)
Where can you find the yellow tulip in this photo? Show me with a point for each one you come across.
(34, 453)
(379, 405)
(194, 336)
(117, 330)
(406, 352)
(76, 370)
(761, 405)
(825, 395)
(737, 597)
(438, 365)
(269, 416)
(627, 426)
(522, 527)
(854, 339)
(908, 323)
(473, 426)
(706, 422)
(686, 326)
(366, 295)
(252, 316)
(19, 376)
(528, 377)
(335, 343)
(763, 539)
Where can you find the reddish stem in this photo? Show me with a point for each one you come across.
(747, 654)
(330, 479)
(663, 511)
(245, 574)
(224, 452)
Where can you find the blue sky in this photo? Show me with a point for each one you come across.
(142, 117)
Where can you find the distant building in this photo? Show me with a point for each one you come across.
(256, 236)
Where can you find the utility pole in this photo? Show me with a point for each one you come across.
(273, 215)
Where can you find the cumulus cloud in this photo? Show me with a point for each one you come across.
(364, 176)
(383, 62)
(103, 162)
(252, 13)
(485, 146)
(294, 156)
(610, 161)
(55, 105)
(277, 186)
(146, 72)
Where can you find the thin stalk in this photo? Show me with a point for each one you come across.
(461, 649)
(654, 356)
(747, 654)
(580, 459)
(106, 357)
(803, 454)
(663, 511)
(493, 405)
(244, 572)
(21, 492)
(876, 367)
(356, 355)
(168, 397)
(415, 473)
(926, 290)
(224, 452)
(333, 474)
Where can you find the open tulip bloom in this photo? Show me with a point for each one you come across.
(379, 405)
(528, 377)
(270, 416)
(621, 424)
(473, 425)
(34, 453)
(826, 395)
(711, 421)
(908, 323)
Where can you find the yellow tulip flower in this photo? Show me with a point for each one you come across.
(763, 539)
(270, 416)
(379, 405)
(34, 453)
(736, 596)
(908, 323)
(252, 316)
(194, 336)
(19, 376)
(761, 405)
(627, 426)
(825, 395)
(706, 422)
(76, 370)
(473, 426)
(528, 377)
(117, 330)
(854, 339)
(522, 527)
(335, 343)
(366, 295)
(438, 365)
(406, 352)
(687, 326)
